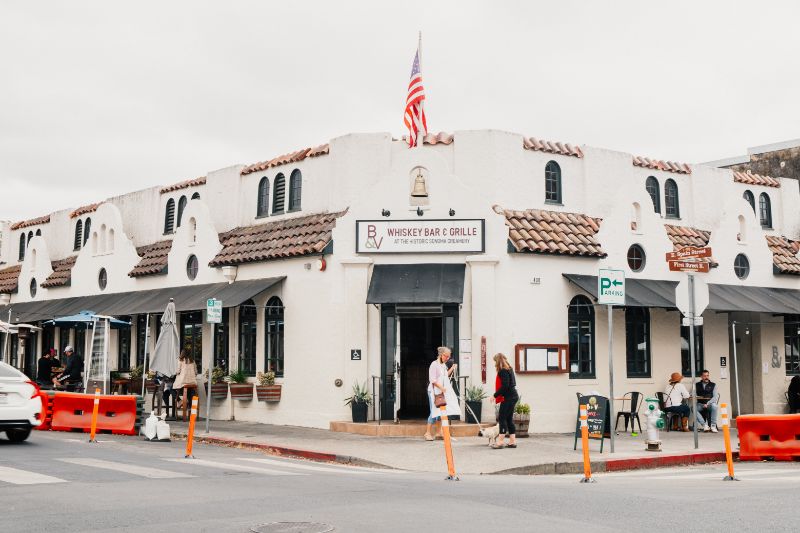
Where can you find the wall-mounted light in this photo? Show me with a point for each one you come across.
(452, 212)
(419, 211)
(229, 273)
(386, 213)
(322, 264)
(5, 298)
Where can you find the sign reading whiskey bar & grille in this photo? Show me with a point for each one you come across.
(420, 236)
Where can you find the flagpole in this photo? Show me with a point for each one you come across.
(422, 103)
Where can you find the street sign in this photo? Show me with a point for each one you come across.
(213, 311)
(689, 266)
(611, 287)
(700, 296)
(689, 252)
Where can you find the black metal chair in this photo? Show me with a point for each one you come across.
(635, 399)
(669, 416)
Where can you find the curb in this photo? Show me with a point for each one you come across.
(619, 465)
(321, 457)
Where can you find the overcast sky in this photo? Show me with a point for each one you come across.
(102, 98)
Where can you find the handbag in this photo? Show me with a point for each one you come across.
(438, 400)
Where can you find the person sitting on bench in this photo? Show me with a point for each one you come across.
(70, 378)
(674, 395)
(707, 401)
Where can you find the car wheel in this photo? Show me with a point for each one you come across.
(17, 435)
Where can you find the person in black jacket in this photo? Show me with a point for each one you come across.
(71, 376)
(44, 369)
(793, 395)
(506, 395)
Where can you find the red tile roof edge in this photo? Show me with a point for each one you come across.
(750, 178)
(9, 279)
(194, 182)
(85, 209)
(657, 164)
(539, 145)
(62, 273)
(292, 157)
(31, 222)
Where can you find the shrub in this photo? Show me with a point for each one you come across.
(266, 378)
(237, 377)
(475, 393)
(360, 395)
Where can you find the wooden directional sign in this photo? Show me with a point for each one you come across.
(689, 252)
(689, 266)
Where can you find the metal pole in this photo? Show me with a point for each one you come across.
(610, 373)
(736, 372)
(144, 350)
(5, 341)
(210, 368)
(692, 320)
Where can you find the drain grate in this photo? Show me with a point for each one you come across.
(293, 527)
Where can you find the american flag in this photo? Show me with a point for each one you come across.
(415, 110)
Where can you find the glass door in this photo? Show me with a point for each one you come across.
(192, 336)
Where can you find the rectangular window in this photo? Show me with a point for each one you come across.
(791, 339)
(247, 343)
(698, 353)
(221, 342)
(80, 343)
(141, 329)
(581, 353)
(637, 342)
(124, 346)
(192, 335)
(63, 342)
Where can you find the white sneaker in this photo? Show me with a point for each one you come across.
(705, 428)
(714, 428)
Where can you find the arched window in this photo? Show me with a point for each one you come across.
(765, 210)
(30, 236)
(273, 357)
(750, 199)
(580, 319)
(22, 247)
(248, 325)
(86, 230)
(637, 342)
(39, 232)
(196, 196)
(78, 242)
(552, 183)
(262, 208)
(295, 190)
(181, 206)
(110, 241)
(278, 195)
(671, 199)
(651, 184)
(169, 217)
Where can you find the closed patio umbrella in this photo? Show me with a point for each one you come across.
(165, 356)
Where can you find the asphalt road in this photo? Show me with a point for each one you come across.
(61, 482)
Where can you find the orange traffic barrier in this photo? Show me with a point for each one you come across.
(448, 449)
(95, 408)
(47, 410)
(73, 412)
(726, 430)
(190, 438)
(587, 465)
(774, 437)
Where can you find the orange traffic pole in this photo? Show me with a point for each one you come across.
(587, 465)
(727, 432)
(190, 438)
(448, 449)
(95, 409)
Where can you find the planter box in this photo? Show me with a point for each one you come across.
(241, 391)
(150, 386)
(359, 412)
(219, 391)
(268, 393)
(476, 408)
(522, 423)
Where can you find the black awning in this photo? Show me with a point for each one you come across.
(187, 298)
(417, 284)
(757, 299)
(638, 292)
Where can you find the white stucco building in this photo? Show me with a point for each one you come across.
(330, 268)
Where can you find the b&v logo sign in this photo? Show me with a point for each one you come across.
(372, 238)
(420, 236)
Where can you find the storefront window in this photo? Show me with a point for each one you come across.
(274, 336)
(124, 346)
(80, 343)
(63, 342)
(698, 351)
(221, 341)
(192, 336)
(637, 342)
(248, 325)
(791, 339)
(581, 338)
(141, 333)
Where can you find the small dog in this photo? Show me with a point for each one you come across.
(491, 433)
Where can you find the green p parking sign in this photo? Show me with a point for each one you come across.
(611, 287)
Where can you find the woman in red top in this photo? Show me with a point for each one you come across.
(506, 396)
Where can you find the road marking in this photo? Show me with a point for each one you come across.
(239, 468)
(23, 477)
(152, 473)
(332, 469)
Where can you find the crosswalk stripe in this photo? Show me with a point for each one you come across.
(289, 464)
(152, 473)
(233, 466)
(23, 477)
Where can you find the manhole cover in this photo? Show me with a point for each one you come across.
(293, 527)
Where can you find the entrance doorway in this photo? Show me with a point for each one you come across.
(419, 339)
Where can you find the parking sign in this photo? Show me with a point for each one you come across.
(611, 287)
(213, 311)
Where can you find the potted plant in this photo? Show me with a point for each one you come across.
(522, 418)
(266, 389)
(240, 388)
(219, 387)
(475, 396)
(359, 402)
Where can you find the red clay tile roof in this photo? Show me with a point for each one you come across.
(184, 184)
(83, 210)
(32, 222)
(293, 157)
(432, 138)
(656, 164)
(153, 259)
(784, 254)
(9, 278)
(275, 240)
(755, 179)
(536, 230)
(62, 273)
(682, 236)
(532, 143)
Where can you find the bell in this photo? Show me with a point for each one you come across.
(419, 190)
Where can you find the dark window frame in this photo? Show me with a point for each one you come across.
(102, 279)
(22, 246)
(765, 210)
(181, 208)
(581, 323)
(672, 201)
(221, 341)
(637, 332)
(124, 346)
(699, 351)
(636, 255)
(196, 196)
(169, 217)
(87, 227)
(33, 287)
(295, 190)
(741, 266)
(141, 333)
(791, 343)
(750, 199)
(274, 328)
(248, 327)
(191, 335)
(78, 242)
(192, 267)
(553, 192)
(262, 201)
(653, 188)
(279, 195)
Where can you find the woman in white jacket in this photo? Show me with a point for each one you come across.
(439, 382)
(187, 371)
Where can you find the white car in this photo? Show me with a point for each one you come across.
(20, 404)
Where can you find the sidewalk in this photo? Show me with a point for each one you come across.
(538, 454)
